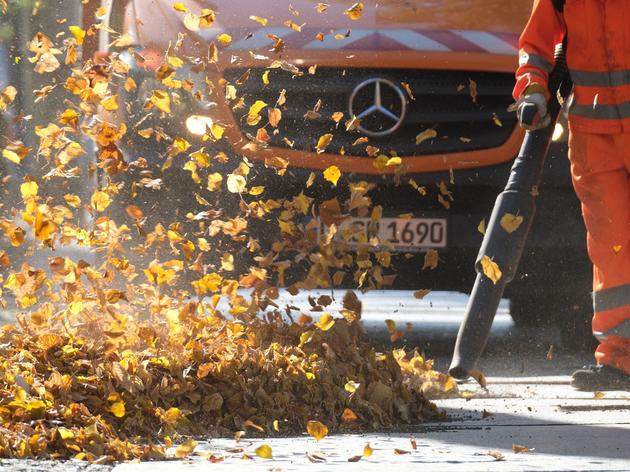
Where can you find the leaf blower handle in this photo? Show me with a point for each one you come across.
(529, 115)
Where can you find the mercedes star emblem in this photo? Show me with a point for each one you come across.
(386, 111)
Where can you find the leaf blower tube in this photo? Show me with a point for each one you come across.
(504, 248)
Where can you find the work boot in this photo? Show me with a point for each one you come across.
(600, 378)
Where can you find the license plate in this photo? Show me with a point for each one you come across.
(401, 233)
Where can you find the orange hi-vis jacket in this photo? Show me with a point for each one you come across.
(598, 57)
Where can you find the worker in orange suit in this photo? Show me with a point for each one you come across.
(597, 37)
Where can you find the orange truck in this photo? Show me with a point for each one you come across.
(429, 81)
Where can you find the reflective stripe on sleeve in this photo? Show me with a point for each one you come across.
(615, 78)
(612, 298)
(534, 60)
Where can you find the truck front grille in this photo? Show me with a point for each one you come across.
(467, 109)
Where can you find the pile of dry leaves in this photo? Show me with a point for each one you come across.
(114, 386)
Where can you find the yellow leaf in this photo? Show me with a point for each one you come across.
(29, 190)
(123, 41)
(351, 386)
(78, 33)
(316, 429)
(380, 162)
(482, 227)
(110, 103)
(12, 156)
(253, 115)
(332, 174)
(227, 262)
(161, 100)
(100, 200)
(518, 449)
(497, 120)
(185, 449)
(598, 395)
(255, 191)
(311, 180)
(72, 200)
(214, 182)
(265, 79)
(65, 433)
(118, 409)
(326, 321)
(426, 134)
(393, 161)
(367, 450)
(491, 269)
(510, 222)
(224, 39)
(258, 19)
(323, 142)
(192, 22)
(236, 183)
(179, 6)
(264, 451)
(355, 11)
(431, 260)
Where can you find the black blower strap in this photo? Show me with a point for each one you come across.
(558, 5)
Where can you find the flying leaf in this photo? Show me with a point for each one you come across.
(510, 222)
(326, 321)
(225, 39)
(161, 100)
(258, 19)
(518, 449)
(323, 142)
(482, 227)
(184, 450)
(425, 135)
(332, 174)
(420, 294)
(367, 450)
(264, 451)
(179, 6)
(472, 86)
(29, 190)
(355, 11)
(317, 430)
(236, 183)
(78, 33)
(491, 269)
(479, 377)
(192, 22)
(431, 260)
(253, 115)
(348, 416)
(100, 200)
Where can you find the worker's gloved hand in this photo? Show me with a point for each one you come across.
(531, 111)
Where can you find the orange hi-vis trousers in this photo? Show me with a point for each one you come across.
(600, 166)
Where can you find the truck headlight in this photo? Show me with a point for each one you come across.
(198, 124)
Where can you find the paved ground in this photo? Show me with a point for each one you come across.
(528, 402)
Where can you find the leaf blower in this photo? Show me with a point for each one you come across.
(502, 247)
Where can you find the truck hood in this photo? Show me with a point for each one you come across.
(464, 25)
